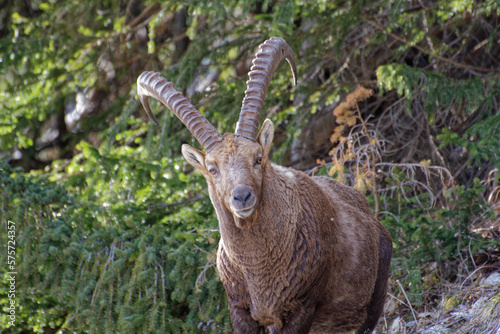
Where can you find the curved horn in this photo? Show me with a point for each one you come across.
(270, 55)
(152, 84)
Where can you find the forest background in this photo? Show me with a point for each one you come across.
(114, 231)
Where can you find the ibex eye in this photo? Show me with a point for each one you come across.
(213, 171)
(258, 161)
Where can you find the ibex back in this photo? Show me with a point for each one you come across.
(297, 254)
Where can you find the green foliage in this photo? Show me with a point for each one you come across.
(438, 91)
(479, 141)
(426, 237)
(107, 257)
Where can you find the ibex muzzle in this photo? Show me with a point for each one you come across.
(243, 201)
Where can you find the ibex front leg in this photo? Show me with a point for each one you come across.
(243, 323)
(300, 323)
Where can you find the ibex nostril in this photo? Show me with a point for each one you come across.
(242, 195)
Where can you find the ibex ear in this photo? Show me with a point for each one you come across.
(266, 135)
(194, 156)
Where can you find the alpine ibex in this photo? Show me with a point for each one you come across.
(297, 254)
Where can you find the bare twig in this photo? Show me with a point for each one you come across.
(372, 157)
(408, 300)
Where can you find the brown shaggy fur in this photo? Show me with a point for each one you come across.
(311, 258)
(297, 254)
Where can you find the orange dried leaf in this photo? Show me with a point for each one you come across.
(340, 109)
(337, 133)
(359, 94)
(363, 93)
(350, 118)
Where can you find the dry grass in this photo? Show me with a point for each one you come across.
(471, 309)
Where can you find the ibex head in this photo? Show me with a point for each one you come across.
(233, 164)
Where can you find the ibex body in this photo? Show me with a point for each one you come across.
(297, 254)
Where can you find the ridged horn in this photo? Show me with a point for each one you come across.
(152, 84)
(266, 60)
